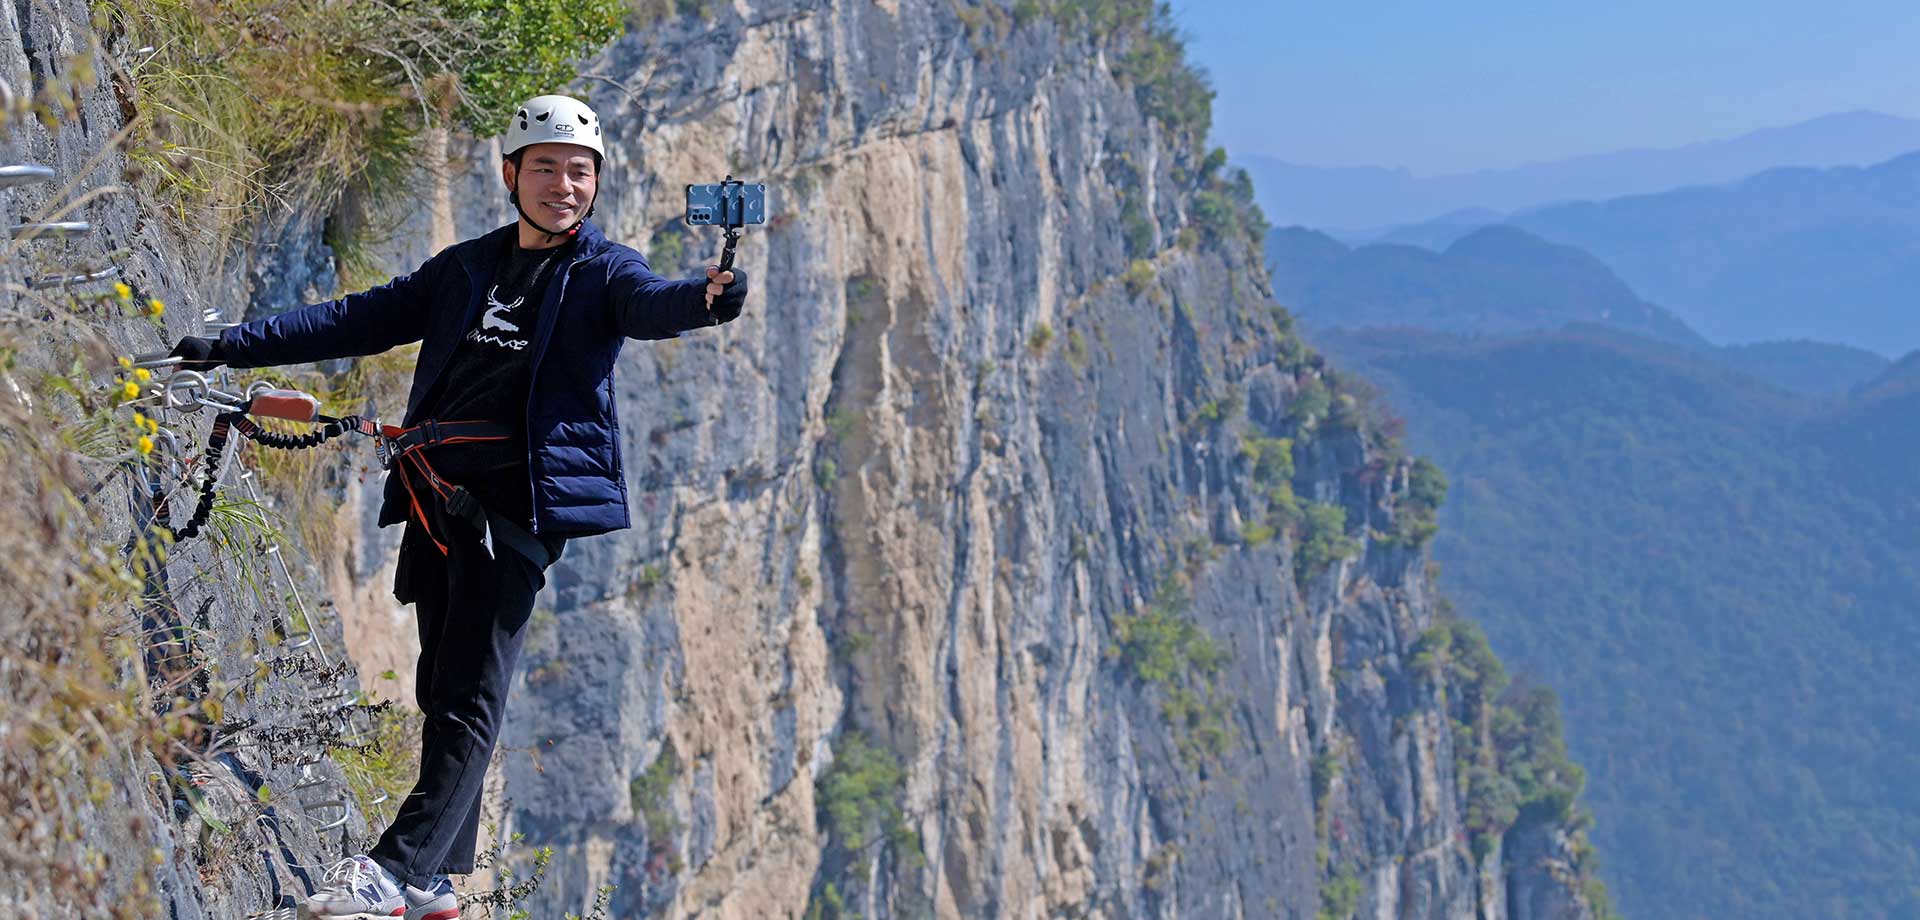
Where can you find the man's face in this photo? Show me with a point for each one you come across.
(556, 182)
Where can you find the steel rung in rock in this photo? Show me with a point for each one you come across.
(24, 174)
(58, 228)
(54, 281)
(345, 813)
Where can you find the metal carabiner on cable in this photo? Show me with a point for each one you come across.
(199, 394)
(170, 445)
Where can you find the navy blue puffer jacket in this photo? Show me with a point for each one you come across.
(603, 296)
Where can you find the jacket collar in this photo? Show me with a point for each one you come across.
(589, 241)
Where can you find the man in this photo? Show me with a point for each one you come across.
(512, 448)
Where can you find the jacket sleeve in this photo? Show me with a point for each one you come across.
(647, 306)
(366, 323)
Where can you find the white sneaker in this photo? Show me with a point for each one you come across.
(356, 887)
(436, 902)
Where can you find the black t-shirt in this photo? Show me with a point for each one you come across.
(488, 379)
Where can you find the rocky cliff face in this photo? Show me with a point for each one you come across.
(1010, 557)
(175, 721)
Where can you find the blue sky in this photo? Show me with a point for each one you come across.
(1442, 87)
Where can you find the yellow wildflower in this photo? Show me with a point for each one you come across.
(155, 307)
(145, 444)
(126, 362)
(142, 374)
(130, 390)
(123, 292)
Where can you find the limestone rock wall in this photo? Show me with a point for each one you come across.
(959, 440)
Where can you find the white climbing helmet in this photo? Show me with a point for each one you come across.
(553, 120)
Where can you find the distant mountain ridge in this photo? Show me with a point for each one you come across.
(1828, 254)
(1806, 366)
(1351, 201)
(1494, 280)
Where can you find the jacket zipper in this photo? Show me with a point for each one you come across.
(533, 377)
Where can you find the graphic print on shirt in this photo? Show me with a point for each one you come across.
(504, 318)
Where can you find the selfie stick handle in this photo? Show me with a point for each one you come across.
(734, 208)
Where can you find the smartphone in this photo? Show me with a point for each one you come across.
(727, 204)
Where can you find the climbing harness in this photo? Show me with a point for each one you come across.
(399, 448)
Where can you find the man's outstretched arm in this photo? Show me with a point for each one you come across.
(366, 323)
(647, 306)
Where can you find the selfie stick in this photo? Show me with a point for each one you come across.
(734, 215)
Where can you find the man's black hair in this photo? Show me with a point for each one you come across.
(514, 158)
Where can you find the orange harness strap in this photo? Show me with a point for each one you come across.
(403, 445)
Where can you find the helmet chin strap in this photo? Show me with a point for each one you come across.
(513, 195)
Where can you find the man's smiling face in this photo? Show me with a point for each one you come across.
(557, 182)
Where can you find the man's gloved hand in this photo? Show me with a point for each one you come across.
(197, 354)
(726, 292)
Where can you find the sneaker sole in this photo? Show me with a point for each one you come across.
(453, 914)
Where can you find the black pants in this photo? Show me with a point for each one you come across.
(473, 614)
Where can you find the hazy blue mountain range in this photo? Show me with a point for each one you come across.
(1357, 198)
(1828, 254)
(1500, 280)
(1719, 578)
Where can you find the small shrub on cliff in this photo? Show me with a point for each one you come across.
(1038, 340)
(1323, 541)
(1139, 276)
(1077, 350)
(859, 801)
(1311, 400)
(1161, 644)
(1226, 212)
(1339, 897)
(649, 794)
(1163, 647)
(1272, 461)
(1416, 516)
(1136, 229)
(669, 251)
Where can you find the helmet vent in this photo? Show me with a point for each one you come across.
(543, 115)
(523, 119)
